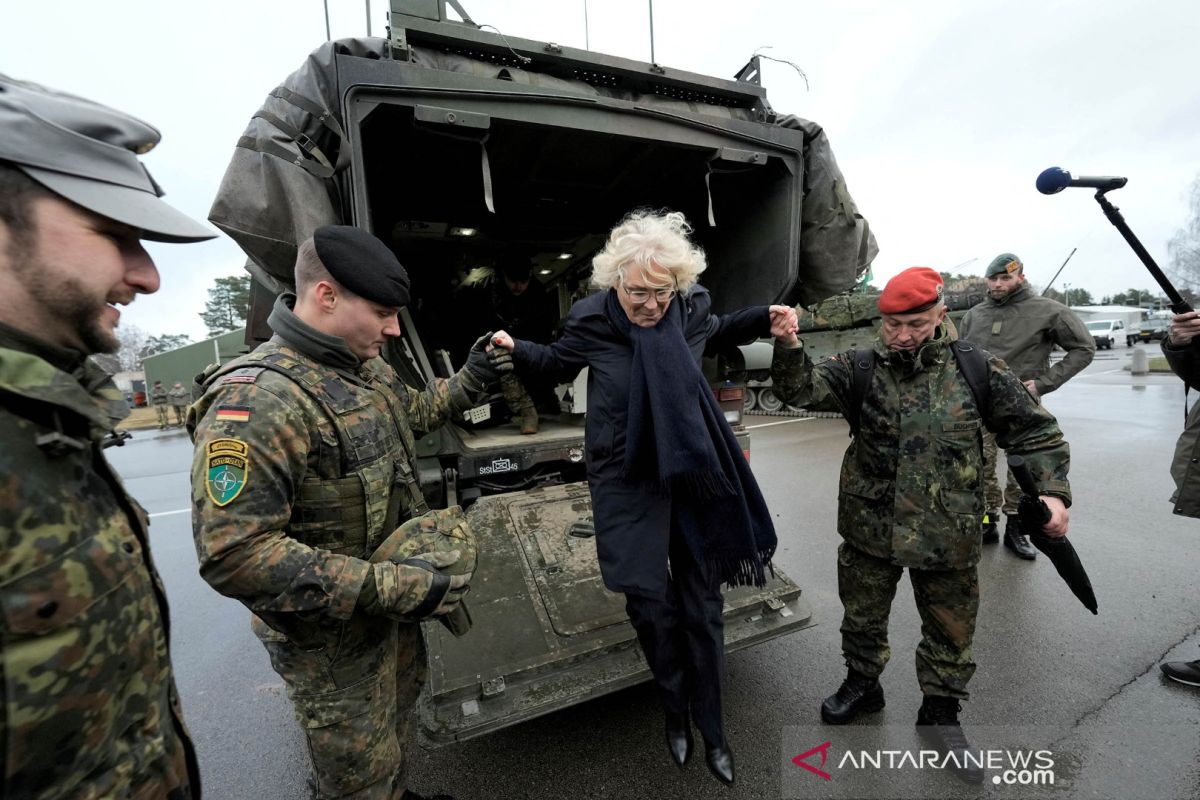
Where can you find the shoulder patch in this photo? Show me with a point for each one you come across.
(227, 468)
(227, 413)
(243, 375)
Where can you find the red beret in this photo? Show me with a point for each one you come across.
(913, 290)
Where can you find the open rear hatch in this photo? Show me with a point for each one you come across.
(546, 633)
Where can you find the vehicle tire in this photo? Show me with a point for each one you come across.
(749, 400)
(768, 402)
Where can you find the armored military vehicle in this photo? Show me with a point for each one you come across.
(457, 146)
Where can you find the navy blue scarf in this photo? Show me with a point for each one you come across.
(679, 442)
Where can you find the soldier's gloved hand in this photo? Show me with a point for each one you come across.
(413, 589)
(486, 362)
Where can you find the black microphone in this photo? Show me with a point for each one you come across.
(1055, 179)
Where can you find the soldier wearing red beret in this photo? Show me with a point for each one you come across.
(912, 493)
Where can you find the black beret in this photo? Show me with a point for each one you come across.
(362, 264)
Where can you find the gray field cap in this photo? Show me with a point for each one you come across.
(88, 154)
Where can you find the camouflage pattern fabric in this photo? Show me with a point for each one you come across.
(354, 702)
(301, 471)
(90, 708)
(947, 600)
(180, 398)
(911, 482)
(438, 531)
(441, 530)
(994, 499)
(158, 398)
(517, 398)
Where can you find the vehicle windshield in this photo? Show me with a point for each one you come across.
(1099, 326)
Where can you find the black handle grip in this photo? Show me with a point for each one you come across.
(1024, 477)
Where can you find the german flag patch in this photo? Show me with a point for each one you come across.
(227, 468)
(233, 413)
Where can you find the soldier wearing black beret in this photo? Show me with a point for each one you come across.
(303, 466)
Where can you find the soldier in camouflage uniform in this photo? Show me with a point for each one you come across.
(89, 705)
(1021, 327)
(158, 399)
(180, 398)
(912, 494)
(303, 467)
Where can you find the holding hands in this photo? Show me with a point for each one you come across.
(784, 324)
(502, 340)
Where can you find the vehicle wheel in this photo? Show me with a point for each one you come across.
(768, 402)
(749, 400)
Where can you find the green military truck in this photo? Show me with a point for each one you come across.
(454, 146)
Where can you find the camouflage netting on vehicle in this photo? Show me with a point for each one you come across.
(284, 179)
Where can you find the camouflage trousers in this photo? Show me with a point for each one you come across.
(353, 697)
(947, 600)
(993, 499)
(161, 410)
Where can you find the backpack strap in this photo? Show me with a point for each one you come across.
(862, 367)
(972, 363)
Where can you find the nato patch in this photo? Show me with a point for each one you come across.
(227, 466)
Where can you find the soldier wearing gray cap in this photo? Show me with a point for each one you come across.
(1022, 327)
(304, 465)
(90, 707)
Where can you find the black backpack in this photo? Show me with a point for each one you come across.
(971, 360)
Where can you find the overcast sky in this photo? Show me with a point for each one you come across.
(941, 114)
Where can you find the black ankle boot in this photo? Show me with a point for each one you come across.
(858, 695)
(679, 737)
(720, 762)
(937, 723)
(1016, 540)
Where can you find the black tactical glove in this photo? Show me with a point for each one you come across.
(487, 366)
(413, 589)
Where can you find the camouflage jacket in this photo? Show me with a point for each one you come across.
(90, 708)
(1185, 464)
(1022, 329)
(287, 530)
(911, 487)
(158, 396)
(180, 397)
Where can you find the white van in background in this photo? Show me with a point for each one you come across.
(1107, 332)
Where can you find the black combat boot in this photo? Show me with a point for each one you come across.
(1017, 541)
(991, 535)
(857, 695)
(937, 723)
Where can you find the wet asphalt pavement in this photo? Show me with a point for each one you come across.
(1087, 687)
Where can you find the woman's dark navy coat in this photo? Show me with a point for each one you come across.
(633, 523)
